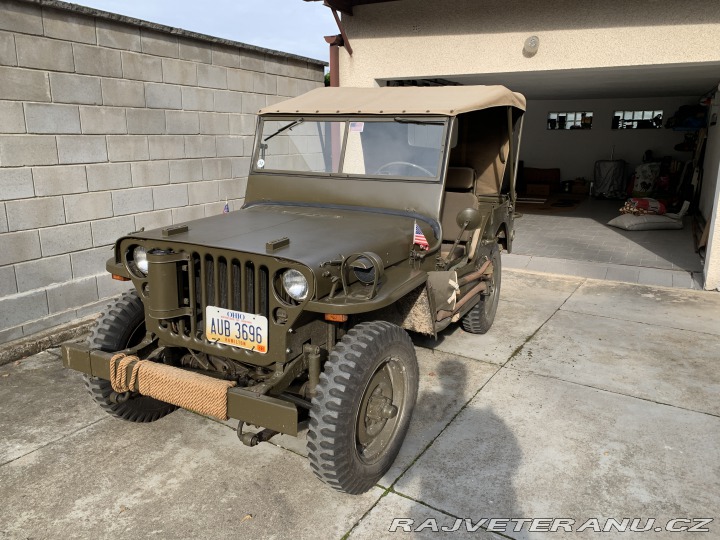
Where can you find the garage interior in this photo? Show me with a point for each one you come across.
(594, 138)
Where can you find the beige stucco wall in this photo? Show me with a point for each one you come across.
(411, 38)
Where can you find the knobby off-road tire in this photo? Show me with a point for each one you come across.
(122, 325)
(354, 436)
(480, 318)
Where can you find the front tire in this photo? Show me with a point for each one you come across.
(482, 315)
(363, 405)
(122, 325)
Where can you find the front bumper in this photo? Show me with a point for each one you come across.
(243, 405)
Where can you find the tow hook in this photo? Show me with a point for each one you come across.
(253, 439)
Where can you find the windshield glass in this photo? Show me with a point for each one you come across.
(394, 148)
(301, 146)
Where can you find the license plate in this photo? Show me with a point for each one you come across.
(236, 328)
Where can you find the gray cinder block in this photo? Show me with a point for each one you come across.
(8, 284)
(18, 150)
(153, 220)
(68, 26)
(203, 192)
(195, 51)
(90, 262)
(141, 67)
(182, 122)
(107, 231)
(103, 120)
(80, 89)
(243, 124)
(91, 60)
(65, 238)
(107, 176)
(214, 124)
(229, 101)
(186, 170)
(16, 183)
(163, 96)
(240, 80)
(132, 201)
(52, 118)
(72, 294)
(38, 274)
(8, 57)
(252, 60)
(34, 213)
(166, 146)
(179, 72)
(252, 103)
(230, 146)
(187, 213)
(88, 206)
(212, 76)
(200, 146)
(171, 196)
(59, 180)
(118, 35)
(224, 55)
(15, 310)
(198, 99)
(144, 121)
(158, 43)
(127, 147)
(120, 93)
(217, 168)
(81, 149)
(150, 173)
(41, 53)
(19, 246)
(24, 84)
(21, 17)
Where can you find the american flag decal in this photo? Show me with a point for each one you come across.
(419, 238)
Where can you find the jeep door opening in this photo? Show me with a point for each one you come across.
(369, 212)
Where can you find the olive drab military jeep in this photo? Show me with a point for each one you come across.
(369, 212)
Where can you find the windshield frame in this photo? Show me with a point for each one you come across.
(346, 120)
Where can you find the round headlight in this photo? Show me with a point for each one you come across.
(140, 259)
(295, 285)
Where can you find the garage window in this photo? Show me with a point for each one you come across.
(570, 120)
(637, 119)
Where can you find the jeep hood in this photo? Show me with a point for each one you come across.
(316, 234)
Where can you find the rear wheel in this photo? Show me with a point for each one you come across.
(121, 326)
(481, 317)
(363, 405)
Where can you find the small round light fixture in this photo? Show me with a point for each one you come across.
(531, 46)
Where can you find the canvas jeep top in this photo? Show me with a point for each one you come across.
(368, 212)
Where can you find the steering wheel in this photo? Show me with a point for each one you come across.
(406, 163)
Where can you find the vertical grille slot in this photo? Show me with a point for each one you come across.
(222, 282)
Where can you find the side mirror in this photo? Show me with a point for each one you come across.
(469, 219)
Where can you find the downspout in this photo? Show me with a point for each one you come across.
(335, 43)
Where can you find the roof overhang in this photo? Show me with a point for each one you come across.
(346, 6)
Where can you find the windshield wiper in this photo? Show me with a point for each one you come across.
(279, 131)
(420, 122)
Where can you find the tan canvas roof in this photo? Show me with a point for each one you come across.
(441, 100)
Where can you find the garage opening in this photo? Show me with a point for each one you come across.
(611, 177)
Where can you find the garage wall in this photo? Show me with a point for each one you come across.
(709, 202)
(110, 124)
(575, 151)
(411, 38)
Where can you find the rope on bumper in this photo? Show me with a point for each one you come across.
(193, 391)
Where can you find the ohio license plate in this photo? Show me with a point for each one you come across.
(236, 328)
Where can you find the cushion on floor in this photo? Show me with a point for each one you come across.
(630, 222)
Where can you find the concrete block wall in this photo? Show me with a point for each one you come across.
(107, 125)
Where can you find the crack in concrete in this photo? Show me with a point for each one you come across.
(67, 435)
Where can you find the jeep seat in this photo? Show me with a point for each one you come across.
(458, 196)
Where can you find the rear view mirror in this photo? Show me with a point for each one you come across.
(469, 219)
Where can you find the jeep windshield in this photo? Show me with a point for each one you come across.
(394, 148)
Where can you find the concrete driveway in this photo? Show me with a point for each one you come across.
(587, 399)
